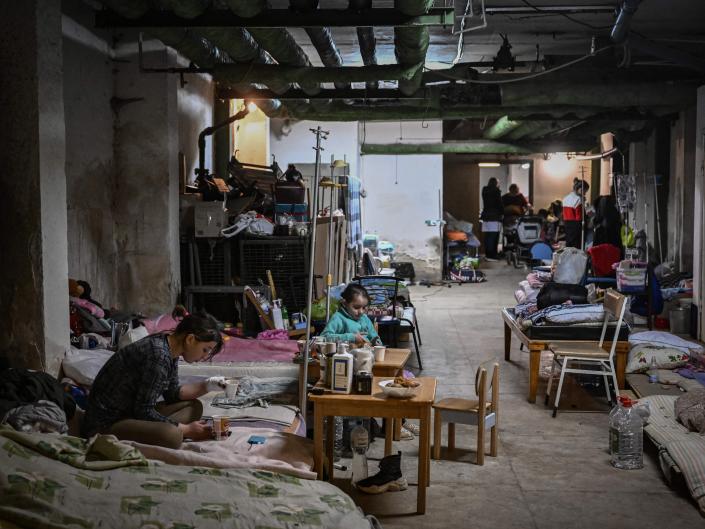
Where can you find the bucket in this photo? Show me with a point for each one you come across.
(680, 320)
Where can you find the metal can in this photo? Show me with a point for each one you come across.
(364, 383)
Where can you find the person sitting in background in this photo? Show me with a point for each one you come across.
(293, 175)
(350, 323)
(123, 399)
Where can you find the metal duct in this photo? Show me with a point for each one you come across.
(411, 43)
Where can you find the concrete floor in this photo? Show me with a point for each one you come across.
(549, 473)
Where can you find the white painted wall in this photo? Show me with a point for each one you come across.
(292, 142)
(520, 177)
(553, 178)
(403, 192)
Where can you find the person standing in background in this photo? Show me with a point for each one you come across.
(574, 207)
(492, 212)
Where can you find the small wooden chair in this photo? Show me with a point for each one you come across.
(481, 412)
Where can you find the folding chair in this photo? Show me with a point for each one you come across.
(567, 353)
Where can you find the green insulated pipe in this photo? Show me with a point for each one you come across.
(470, 147)
(411, 43)
(266, 73)
(501, 127)
(278, 42)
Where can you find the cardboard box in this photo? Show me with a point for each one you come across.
(209, 219)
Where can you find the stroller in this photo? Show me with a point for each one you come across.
(520, 238)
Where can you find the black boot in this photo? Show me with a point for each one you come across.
(388, 478)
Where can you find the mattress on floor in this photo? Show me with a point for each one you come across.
(573, 331)
(685, 449)
(639, 382)
(238, 369)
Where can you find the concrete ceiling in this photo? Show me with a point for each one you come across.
(636, 85)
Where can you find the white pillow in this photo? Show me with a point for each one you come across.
(664, 339)
(640, 356)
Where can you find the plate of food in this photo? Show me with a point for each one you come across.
(399, 387)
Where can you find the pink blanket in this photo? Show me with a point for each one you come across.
(242, 350)
(282, 452)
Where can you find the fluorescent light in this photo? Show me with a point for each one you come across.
(525, 165)
(488, 164)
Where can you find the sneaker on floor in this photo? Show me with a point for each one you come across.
(388, 479)
(413, 428)
(405, 434)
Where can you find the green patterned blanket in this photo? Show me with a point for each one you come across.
(50, 481)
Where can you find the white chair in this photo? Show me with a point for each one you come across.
(481, 412)
(567, 353)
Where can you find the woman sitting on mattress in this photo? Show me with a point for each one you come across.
(123, 399)
(350, 323)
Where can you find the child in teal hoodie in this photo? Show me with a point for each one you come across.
(350, 323)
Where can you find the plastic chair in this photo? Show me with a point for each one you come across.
(565, 353)
(481, 412)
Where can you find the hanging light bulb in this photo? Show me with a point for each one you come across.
(251, 106)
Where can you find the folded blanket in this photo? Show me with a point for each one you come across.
(281, 452)
(690, 410)
(100, 452)
(568, 314)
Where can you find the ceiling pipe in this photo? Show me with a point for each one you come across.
(411, 43)
(501, 127)
(366, 39)
(468, 147)
(278, 42)
(192, 47)
(321, 38)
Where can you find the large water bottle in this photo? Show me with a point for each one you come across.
(626, 436)
(359, 443)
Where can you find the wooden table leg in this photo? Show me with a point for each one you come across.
(318, 440)
(507, 342)
(330, 443)
(534, 364)
(427, 452)
(424, 466)
(388, 433)
(397, 429)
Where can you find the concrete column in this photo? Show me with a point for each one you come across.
(699, 214)
(34, 330)
(606, 143)
(146, 181)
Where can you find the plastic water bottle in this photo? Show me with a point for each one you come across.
(626, 436)
(653, 371)
(359, 443)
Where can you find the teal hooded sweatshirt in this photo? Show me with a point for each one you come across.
(342, 327)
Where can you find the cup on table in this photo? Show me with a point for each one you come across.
(221, 427)
(380, 351)
(231, 386)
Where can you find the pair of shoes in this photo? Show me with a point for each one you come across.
(388, 479)
(412, 427)
(405, 434)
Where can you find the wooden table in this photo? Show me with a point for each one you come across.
(377, 405)
(537, 346)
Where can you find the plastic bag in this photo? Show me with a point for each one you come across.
(318, 309)
(83, 365)
(570, 266)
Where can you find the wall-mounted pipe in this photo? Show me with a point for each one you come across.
(501, 127)
(202, 171)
